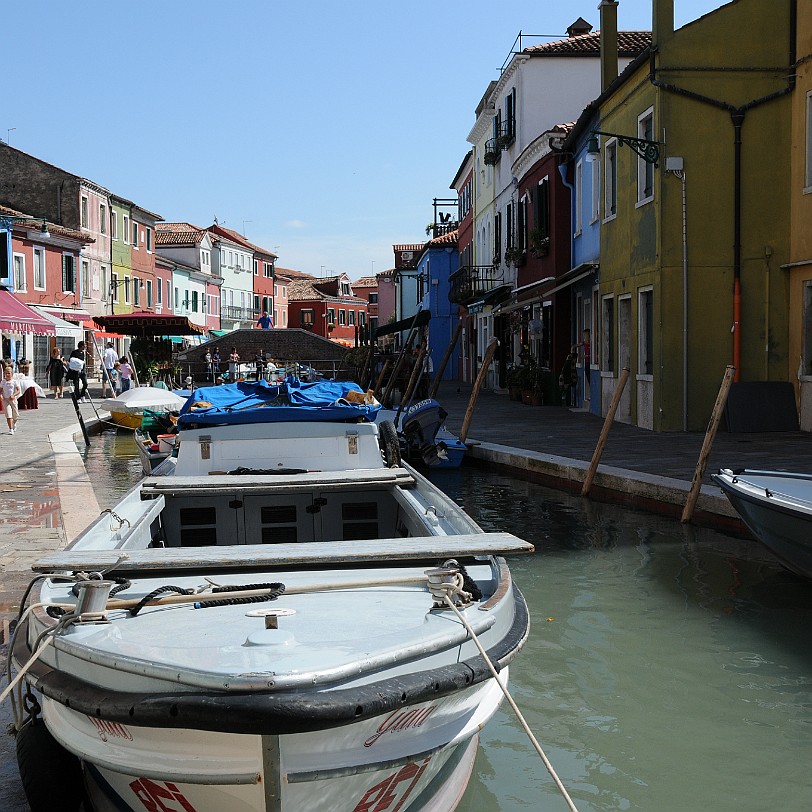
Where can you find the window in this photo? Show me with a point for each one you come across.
(126, 229)
(114, 224)
(331, 315)
(256, 267)
(148, 233)
(542, 209)
(351, 318)
(645, 169)
(611, 180)
(84, 213)
(608, 335)
(276, 317)
(306, 318)
(135, 235)
(102, 218)
(18, 266)
(159, 291)
(127, 290)
(177, 298)
(595, 208)
(68, 273)
(645, 332)
(137, 290)
(362, 318)
(169, 294)
(510, 114)
(267, 272)
(579, 198)
(521, 224)
(497, 239)
(195, 296)
(373, 298)
(509, 238)
(284, 318)
(342, 317)
(205, 258)
(114, 286)
(105, 291)
(345, 288)
(85, 278)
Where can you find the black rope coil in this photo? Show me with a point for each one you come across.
(276, 589)
(161, 590)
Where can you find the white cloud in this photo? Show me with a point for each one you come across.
(295, 224)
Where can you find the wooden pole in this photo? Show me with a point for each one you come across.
(607, 424)
(366, 372)
(480, 379)
(417, 371)
(387, 365)
(387, 395)
(710, 436)
(79, 416)
(435, 384)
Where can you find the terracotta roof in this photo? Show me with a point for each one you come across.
(366, 282)
(34, 223)
(178, 234)
(629, 43)
(291, 274)
(412, 246)
(238, 238)
(304, 290)
(444, 239)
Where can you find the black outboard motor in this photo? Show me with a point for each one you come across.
(419, 427)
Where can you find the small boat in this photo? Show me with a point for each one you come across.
(127, 409)
(283, 620)
(777, 508)
(155, 439)
(423, 434)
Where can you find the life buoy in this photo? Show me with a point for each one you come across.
(51, 776)
(389, 443)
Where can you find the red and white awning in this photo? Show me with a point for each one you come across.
(17, 317)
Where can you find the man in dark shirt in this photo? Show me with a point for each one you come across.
(78, 376)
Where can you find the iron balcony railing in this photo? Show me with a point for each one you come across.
(239, 313)
(472, 281)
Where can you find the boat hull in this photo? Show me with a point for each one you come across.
(777, 509)
(128, 421)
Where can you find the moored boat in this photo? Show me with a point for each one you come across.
(280, 637)
(777, 508)
(127, 409)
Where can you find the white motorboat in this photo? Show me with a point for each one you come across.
(777, 508)
(264, 626)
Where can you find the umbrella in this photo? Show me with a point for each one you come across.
(134, 401)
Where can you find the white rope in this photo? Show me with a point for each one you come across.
(34, 657)
(550, 769)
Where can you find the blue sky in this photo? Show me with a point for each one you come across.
(322, 130)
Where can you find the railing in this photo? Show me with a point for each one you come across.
(239, 313)
(492, 151)
(472, 281)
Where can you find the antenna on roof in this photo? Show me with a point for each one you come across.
(216, 221)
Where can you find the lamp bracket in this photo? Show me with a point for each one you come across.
(649, 151)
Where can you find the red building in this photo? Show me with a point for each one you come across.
(367, 288)
(327, 307)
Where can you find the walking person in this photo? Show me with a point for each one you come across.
(55, 370)
(9, 393)
(233, 365)
(265, 322)
(125, 371)
(76, 371)
(109, 361)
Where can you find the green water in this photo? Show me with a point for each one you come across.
(668, 669)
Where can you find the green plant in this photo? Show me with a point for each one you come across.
(539, 242)
(514, 256)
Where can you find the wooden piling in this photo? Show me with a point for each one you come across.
(366, 371)
(480, 379)
(438, 374)
(387, 365)
(607, 424)
(710, 436)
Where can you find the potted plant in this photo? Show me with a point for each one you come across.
(513, 382)
(490, 156)
(514, 256)
(539, 243)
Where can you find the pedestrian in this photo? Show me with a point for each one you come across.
(76, 371)
(265, 322)
(126, 373)
(207, 359)
(215, 360)
(259, 362)
(9, 393)
(233, 365)
(55, 370)
(115, 378)
(109, 361)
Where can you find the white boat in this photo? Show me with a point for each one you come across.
(357, 688)
(777, 508)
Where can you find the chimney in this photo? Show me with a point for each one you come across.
(608, 10)
(662, 21)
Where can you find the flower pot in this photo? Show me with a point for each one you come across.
(527, 396)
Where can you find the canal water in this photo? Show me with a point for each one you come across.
(668, 668)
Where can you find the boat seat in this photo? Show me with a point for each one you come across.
(253, 556)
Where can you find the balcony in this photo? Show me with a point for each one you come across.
(492, 151)
(231, 313)
(473, 281)
(506, 135)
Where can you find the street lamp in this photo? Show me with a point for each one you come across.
(116, 283)
(7, 221)
(649, 151)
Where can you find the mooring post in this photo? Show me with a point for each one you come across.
(710, 436)
(435, 384)
(480, 379)
(607, 424)
(79, 416)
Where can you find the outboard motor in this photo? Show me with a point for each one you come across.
(419, 427)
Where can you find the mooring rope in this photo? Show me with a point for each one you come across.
(456, 588)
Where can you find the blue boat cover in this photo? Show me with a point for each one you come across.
(261, 402)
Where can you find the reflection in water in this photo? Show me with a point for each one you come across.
(668, 668)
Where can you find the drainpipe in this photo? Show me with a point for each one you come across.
(737, 115)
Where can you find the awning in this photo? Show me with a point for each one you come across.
(149, 324)
(564, 281)
(492, 297)
(218, 333)
(64, 329)
(16, 317)
(74, 314)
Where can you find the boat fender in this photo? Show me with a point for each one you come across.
(389, 443)
(51, 776)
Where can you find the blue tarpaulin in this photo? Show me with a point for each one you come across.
(261, 402)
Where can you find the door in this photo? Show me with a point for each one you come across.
(624, 356)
